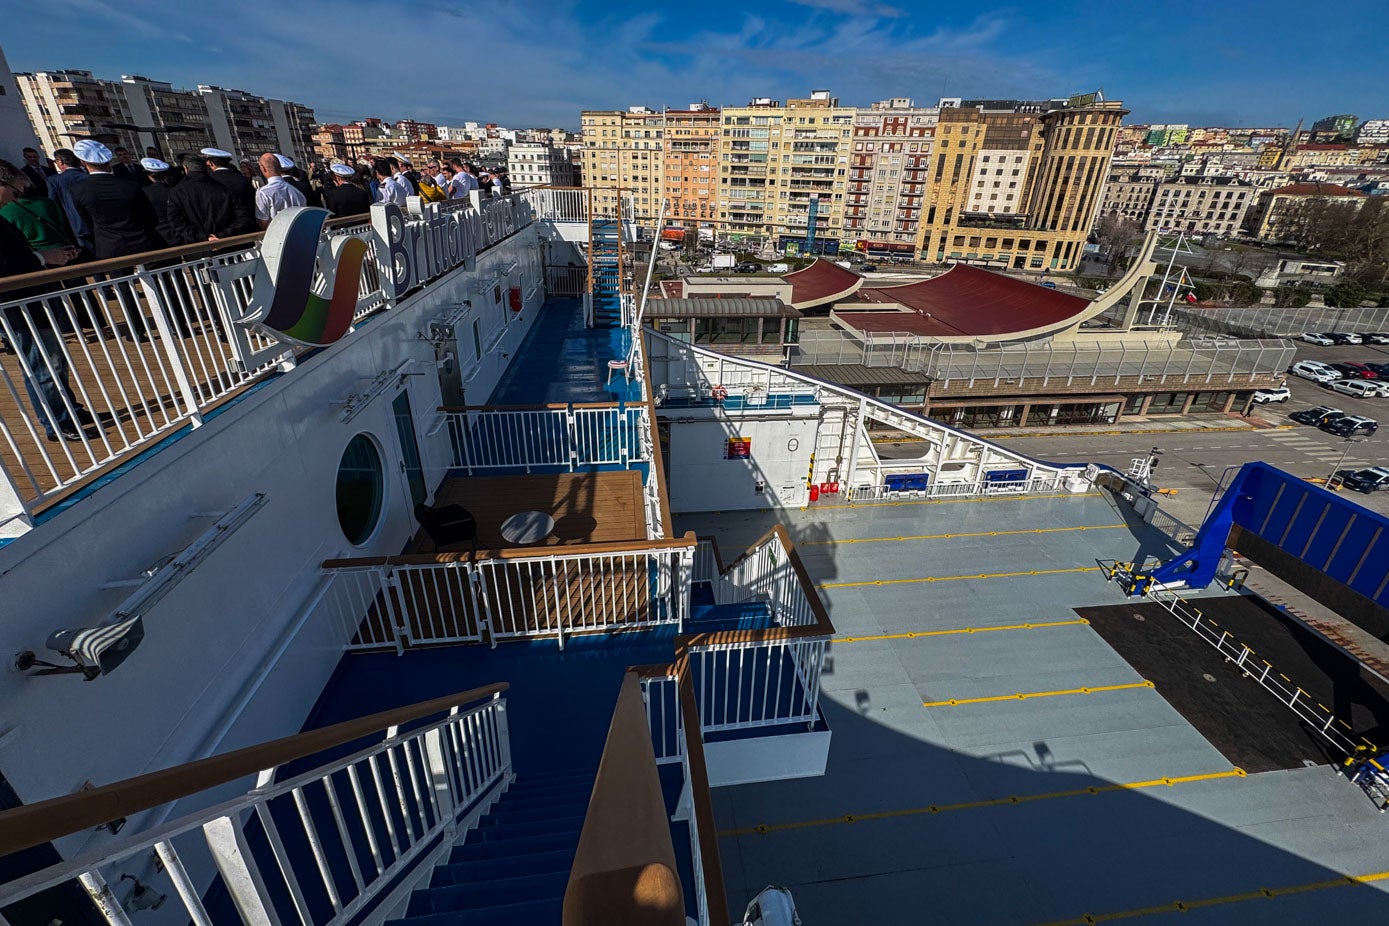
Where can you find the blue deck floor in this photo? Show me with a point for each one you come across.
(563, 361)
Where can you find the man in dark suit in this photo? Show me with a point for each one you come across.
(126, 168)
(68, 177)
(345, 197)
(157, 192)
(220, 169)
(37, 172)
(121, 218)
(201, 209)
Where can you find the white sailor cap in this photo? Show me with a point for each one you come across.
(401, 158)
(343, 170)
(215, 153)
(92, 152)
(285, 163)
(153, 165)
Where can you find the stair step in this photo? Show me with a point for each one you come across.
(486, 869)
(519, 914)
(490, 893)
(529, 799)
(523, 828)
(505, 816)
(558, 774)
(514, 848)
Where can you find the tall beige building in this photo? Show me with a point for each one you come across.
(182, 113)
(888, 176)
(1205, 205)
(691, 170)
(624, 151)
(68, 105)
(1030, 205)
(745, 144)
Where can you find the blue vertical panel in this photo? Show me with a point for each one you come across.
(1362, 531)
(1312, 510)
(1318, 552)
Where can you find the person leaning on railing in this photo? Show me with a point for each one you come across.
(33, 334)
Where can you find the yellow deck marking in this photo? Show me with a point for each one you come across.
(982, 575)
(947, 501)
(1025, 695)
(1018, 799)
(1040, 625)
(1030, 530)
(1182, 906)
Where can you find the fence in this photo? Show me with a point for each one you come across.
(323, 847)
(554, 438)
(1038, 483)
(109, 363)
(759, 683)
(1274, 322)
(418, 600)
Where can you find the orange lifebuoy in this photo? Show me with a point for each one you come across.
(719, 393)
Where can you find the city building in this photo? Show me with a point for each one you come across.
(1051, 157)
(744, 162)
(1275, 216)
(1334, 127)
(1373, 132)
(1209, 205)
(539, 164)
(330, 142)
(179, 116)
(888, 176)
(15, 126)
(248, 125)
(623, 151)
(1321, 155)
(690, 175)
(68, 105)
(1128, 194)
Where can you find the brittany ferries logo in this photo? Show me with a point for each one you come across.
(286, 304)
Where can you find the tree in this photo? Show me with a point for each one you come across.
(1345, 294)
(1291, 297)
(1118, 238)
(1242, 293)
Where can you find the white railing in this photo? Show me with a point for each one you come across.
(1300, 702)
(706, 564)
(757, 684)
(383, 604)
(661, 695)
(765, 574)
(363, 830)
(558, 204)
(567, 438)
(566, 281)
(1040, 484)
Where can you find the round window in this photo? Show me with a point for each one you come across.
(359, 489)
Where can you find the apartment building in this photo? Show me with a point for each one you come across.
(16, 132)
(623, 153)
(1049, 160)
(745, 144)
(1129, 194)
(1276, 214)
(180, 114)
(1208, 205)
(806, 189)
(330, 142)
(888, 176)
(67, 105)
(690, 174)
(539, 164)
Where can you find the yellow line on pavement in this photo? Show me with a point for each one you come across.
(1185, 906)
(1041, 625)
(1193, 431)
(762, 829)
(1025, 695)
(982, 575)
(1030, 530)
(946, 501)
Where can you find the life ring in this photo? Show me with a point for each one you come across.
(719, 393)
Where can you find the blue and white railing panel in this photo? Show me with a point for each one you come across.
(552, 439)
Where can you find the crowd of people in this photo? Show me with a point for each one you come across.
(90, 202)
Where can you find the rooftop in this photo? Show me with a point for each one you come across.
(1314, 189)
(821, 283)
(711, 307)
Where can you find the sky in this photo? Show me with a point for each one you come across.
(523, 63)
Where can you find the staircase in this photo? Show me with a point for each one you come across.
(605, 257)
(513, 867)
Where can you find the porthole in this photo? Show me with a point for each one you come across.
(360, 489)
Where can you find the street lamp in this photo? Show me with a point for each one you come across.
(1349, 441)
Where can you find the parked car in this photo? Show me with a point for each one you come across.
(1381, 368)
(1345, 337)
(1359, 388)
(1316, 415)
(1365, 480)
(1350, 426)
(748, 266)
(1314, 370)
(1355, 370)
(1377, 337)
(1264, 396)
(1049, 285)
(868, 268)
(1313, 337)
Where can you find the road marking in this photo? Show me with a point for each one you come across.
(1041, 625)
(1032, 530)
(1026, 695)
(985, 575)
(1140, 433)
(763, 829)
(1185, 906)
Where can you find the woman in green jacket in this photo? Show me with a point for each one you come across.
(39, 218)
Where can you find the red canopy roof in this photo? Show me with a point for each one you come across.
(966, 301)
(820, 283)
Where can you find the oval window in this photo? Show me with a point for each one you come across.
(360, 483)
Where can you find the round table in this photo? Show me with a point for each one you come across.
(527, 527)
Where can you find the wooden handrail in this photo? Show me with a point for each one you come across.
(34, 824)
(624, 868)
(718, 554)
(568, 549)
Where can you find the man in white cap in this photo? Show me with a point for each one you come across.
(275, 196)
(220, 169)
(121, 219)
(345, 197)
(290, 171)
(157, 190)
